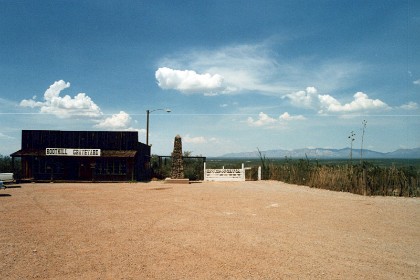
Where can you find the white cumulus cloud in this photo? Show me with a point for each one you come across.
(189, 81)
(325, 103)
(416, 82)
(263, 119)
(79, 105)
(410, 106)
(361, 102)
(304, 98)
(121, 120)
(287, 117)
(63, 106)
(199, 139)
(195, 140)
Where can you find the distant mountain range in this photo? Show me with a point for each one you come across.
(319, 153)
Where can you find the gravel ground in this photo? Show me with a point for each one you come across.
(207, 230)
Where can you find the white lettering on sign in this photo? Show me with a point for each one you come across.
(73, 152)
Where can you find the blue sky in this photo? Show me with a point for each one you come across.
(237, 75)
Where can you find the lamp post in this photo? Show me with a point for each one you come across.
(147, 126)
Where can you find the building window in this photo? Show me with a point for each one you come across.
(111, 167)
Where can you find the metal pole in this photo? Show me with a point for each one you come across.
(147, 128)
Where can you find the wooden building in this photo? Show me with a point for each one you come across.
(83, 155)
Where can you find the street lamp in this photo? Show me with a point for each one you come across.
(147, 127)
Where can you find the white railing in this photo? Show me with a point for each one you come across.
(6, 177)
(224, 174)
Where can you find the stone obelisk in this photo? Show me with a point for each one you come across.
(177, 171)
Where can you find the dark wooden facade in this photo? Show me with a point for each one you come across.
(122, 157)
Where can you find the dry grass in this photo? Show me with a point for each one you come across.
(365, 179)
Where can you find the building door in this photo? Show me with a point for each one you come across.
(71, 169)
(85, 170)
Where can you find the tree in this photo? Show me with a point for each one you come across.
(6, 165)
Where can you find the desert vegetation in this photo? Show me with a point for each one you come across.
(193, 166)
(6, 165)
(364, 178)
(384, 178)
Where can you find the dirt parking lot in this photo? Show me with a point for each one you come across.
(208, 230)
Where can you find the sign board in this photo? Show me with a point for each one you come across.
(73, 152)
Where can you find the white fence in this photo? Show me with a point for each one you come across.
(6, 177)
(227, 174)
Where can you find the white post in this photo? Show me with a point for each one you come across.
(259, 173)
(205, 173)
(243, 172)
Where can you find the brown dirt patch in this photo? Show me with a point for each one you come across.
(252, 230)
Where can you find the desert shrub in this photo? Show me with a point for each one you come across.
(365, 178)
(265, 166)
(193, 167)
(252, 174)
(161, 167)
(6, 165)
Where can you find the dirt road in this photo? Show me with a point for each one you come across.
(241, 230)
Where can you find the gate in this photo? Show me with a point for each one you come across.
(224, 174)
